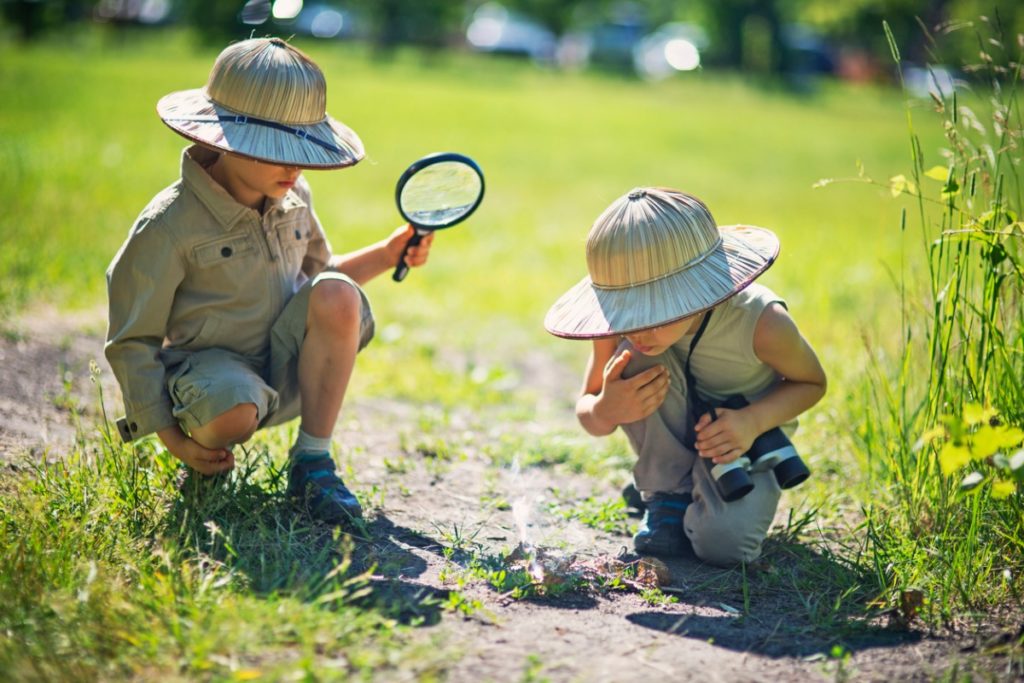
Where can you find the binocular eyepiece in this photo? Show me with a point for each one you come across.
(771, 450)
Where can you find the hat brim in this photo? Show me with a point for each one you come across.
(326, 144)
(589, 312)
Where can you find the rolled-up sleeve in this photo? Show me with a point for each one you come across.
(141, 283)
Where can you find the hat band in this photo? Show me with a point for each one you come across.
(243, 120)
(689, 264)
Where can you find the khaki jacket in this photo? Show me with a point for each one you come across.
(200, 270)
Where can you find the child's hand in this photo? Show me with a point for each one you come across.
(417, 255)
(727, 438)
(204, 460)
(622, 401)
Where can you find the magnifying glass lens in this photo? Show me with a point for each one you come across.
(436, 192)
(440, 194)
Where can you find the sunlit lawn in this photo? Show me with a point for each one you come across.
(82, 151)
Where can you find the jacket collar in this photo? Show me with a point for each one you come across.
(224, 208)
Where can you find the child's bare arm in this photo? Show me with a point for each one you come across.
(608, 400)
(778, 343)
(367, 263)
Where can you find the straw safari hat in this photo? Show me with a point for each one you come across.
(265, 100)
(656, 256)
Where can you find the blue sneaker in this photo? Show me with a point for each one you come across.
(314, 486)
(662, 531)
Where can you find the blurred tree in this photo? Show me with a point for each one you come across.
(428, 23)
(556, 15)
(748, 33)
(859, 23)
(32, 18)
(215, 23)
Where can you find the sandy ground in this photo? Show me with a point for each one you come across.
(584, 635)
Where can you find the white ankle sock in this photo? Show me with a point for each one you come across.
(307, 443)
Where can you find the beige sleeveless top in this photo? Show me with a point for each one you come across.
(724, 362)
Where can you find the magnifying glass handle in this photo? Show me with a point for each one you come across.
(402, 268)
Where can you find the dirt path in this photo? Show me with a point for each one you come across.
(435, 521)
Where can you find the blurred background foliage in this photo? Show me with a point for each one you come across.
(779, 37)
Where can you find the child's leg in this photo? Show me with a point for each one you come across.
(675, 483)
(328, 354)
(662, 471)
(728, 533)
(663, 462)
(219, 396)
(313, 350)
(311, 339)
(234, 426)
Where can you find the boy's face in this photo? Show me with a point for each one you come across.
(657, 340)
(248, 180)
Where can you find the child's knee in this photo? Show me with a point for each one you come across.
(334, 303)
(725, 542)
(233, 426)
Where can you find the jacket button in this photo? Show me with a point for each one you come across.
(225, 252)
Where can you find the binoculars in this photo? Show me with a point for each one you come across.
(771, 450)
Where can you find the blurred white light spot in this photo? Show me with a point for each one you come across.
(392, 333)
(480, 374)
(287, 9)
(327, 24)
(154, 11)
(255, 12)
(485, 32)
(682, 55)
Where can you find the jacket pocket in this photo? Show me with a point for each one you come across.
(294, 240)
(223, 250)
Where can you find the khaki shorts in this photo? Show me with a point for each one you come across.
(212, 381)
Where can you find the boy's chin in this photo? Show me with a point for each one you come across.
(650, 350)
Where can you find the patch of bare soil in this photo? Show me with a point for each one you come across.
(431, 521)
(45, 374)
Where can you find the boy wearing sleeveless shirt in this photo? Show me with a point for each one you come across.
(671, 294)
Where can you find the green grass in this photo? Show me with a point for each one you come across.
(944, 421)
(114, 566)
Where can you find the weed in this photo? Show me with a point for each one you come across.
(396, 466)
(609, 516)
(532, 670)
(467, 607)
(926, 439)
(657, 598)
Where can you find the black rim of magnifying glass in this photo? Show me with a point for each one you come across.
(430, 160)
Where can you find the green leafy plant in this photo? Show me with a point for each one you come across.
(925, 437)
(979, 442)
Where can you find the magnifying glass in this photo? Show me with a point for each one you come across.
(436, 192)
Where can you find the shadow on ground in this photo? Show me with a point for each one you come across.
(248, 525)
(777, 639)
(795, 601)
